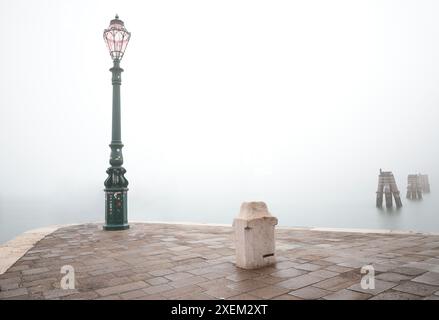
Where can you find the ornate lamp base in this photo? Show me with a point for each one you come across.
(116, 217)
(116, 200)
(116, 227)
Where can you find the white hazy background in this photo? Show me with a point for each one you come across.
(296, 103)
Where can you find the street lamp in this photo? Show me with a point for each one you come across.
(116, 37)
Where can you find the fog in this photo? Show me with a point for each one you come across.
(295, 103)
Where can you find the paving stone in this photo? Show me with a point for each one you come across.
(178, 276)
(288, 273)
(187, 281)
(346, 294)
(203, 271)
(89, 295)
(335, 284)
(416, 288)
(353, 264)
(131, 295)
(198, 296)
(423, 265)
(122, 288)
(409, 271)
(158, 289)
(124, 273)
(243, 275)
(13, 293)
(431, 278)
(395, 295)
(286, 297)
(9, 286)
(392, 277)
(112, 297)
(182, 292)
(222, 292)
(308, 267)
(142, 276)
(244, 296)
(180, 248)
(43, 281)
(10, 280)
(266, 270)
(322, 263)
(336, 260)
(215, 283)
(151, 297)
(380, 286)
(382, 268)
(30, 258)
(269, 292)
(161, 272)
(99, 282)
(270, 279)
(19, 268)
(310, 292)
(299, 282)
(215, 275)
(35, 290)
(58, 293)
(285, 265)
(246, 285)
(26, 297)
(354, 274)
(325, 274)
(157, 280)
(35, 271)
(431, 260)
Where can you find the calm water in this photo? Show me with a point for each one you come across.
(341, 206)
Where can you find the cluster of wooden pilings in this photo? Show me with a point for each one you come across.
(387, 188)
(417, 184)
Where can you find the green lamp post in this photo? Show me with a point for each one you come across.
(116, 218)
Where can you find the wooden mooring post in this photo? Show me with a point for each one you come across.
(414, 189)
(417, 184)
(425, 184)
(387, 187)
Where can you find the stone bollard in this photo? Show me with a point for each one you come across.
(254, 236)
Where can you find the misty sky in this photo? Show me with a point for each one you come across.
(290, 102)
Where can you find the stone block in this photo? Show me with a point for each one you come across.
(254, 236)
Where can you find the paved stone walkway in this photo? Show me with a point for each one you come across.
(165, 261)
